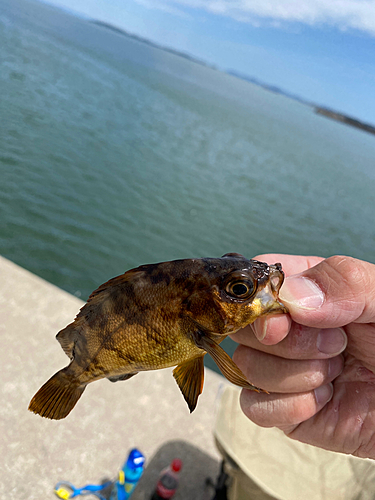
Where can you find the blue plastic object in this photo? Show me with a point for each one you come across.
(128, 476)
(122, 488)
(66, 490)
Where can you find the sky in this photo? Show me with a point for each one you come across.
(320, 50)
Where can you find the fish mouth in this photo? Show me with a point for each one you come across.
(269, 296)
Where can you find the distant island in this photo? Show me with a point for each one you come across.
(321, 110)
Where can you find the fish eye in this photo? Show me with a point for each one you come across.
(240, 289)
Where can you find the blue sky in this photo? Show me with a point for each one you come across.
(321, 50)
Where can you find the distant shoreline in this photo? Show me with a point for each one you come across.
(321, 110)
(348, 120)
(121, 31)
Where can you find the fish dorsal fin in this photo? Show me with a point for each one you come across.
(118, 280)
(232, 254)
(227, 366)
(66, 338)
(189, 377)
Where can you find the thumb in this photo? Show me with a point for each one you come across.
(337, 291)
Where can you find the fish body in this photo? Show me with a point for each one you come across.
(157, 316)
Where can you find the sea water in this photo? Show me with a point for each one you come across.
(114, 153)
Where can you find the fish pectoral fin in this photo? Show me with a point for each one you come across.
(121, 377)
(189, 377)
(227, 366)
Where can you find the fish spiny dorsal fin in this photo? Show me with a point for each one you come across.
(189, 377)
(118, 280)
(233, 254)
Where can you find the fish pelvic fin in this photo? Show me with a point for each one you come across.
(121, 377)
(225, 363)
(189, 377)
(57, 397)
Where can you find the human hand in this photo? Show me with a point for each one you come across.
(318, 362)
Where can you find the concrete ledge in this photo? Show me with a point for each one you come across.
(146, 411)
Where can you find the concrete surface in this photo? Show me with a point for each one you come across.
(147, 411)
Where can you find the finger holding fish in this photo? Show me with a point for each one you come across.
(284, 411)
(280, 375)
(299, 342)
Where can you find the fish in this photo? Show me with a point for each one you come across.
(155, 316)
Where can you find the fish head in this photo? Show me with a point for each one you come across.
(242, 290)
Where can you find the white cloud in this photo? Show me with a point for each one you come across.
(344, 14)
(164, 6)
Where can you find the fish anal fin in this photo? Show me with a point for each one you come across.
(189, 377)
(225, 363)
(57, 397)
(117, 378)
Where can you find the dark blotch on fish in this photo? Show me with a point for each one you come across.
(157, 316)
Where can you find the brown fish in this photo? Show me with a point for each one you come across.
(157, 316)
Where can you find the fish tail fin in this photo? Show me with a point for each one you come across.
(57, 397)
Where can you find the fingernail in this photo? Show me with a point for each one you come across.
(260, 328)
(335, 366)
(323, 394)
(301, 292)
(331, 340)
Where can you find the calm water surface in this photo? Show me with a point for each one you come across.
(115, 154)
